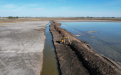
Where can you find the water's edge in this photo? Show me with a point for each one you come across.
(50, 64)
(93, 62)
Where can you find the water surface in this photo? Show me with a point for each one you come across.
(50, 66)
(103, 37)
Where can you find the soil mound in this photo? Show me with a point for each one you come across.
(77, 58)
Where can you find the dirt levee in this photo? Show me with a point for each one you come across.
(77, 58)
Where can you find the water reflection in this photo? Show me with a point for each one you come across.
(50, 66)
(103, 37)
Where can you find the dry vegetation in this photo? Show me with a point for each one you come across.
(20, 19)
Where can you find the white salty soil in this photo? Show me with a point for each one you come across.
(21, 48)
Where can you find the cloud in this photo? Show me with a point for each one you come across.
(21, 10)
(24, 12)
(13, 7)
(50, 11)
(9, 6)
(47, 13)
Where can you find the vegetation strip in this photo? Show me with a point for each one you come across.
(77, 58)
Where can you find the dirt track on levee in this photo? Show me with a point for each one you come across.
(77, 58)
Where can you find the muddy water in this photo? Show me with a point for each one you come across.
(50, 66)
(103, 37)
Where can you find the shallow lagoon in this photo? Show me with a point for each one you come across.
(103, 37)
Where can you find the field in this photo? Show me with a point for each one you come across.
(22, 44)
(6, 20)
(21, 48)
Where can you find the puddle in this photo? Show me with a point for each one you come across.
(50, 66)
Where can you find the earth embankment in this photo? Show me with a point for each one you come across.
(77, 58)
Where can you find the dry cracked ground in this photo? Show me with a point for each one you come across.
(21, 48)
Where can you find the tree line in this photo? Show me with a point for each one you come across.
(11, 17)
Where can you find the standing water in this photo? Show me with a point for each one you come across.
(103, 37)
(50, 66)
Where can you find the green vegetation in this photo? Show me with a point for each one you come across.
(11, 17)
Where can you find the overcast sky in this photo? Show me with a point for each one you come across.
(60, 8)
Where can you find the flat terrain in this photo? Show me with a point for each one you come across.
(21, 48)
(60, 19)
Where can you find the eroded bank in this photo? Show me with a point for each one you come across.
(50, 66)
(77, 58)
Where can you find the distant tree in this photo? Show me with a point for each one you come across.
(11, 17)
(87, 16)
(90, 17)
(16, 17)
(81, 17)
(103, 17)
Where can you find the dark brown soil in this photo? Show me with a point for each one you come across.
(41, 29)
(77, 58)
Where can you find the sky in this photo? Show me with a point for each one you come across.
(60, 8)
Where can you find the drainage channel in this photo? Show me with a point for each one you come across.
(50, 66)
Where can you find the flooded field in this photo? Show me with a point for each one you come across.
(50, 66)
(103, 37)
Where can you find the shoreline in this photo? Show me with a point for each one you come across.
(117, 64)
(86, 21)
(87, 57)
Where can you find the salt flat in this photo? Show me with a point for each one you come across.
(21, 48)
